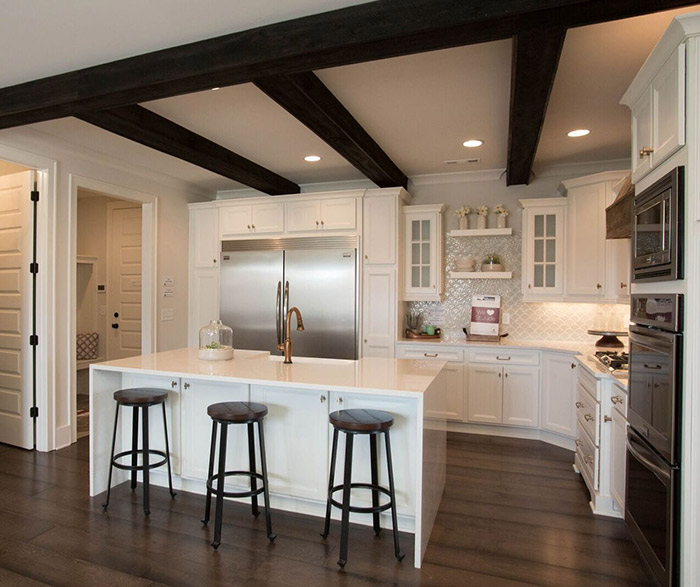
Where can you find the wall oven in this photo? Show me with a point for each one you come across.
(657, 231)
(652, 506)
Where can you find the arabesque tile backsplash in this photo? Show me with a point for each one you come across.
(529, 321)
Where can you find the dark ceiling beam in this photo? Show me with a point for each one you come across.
(365, 32)
(535, 61)
(305, 97)
(151, 129)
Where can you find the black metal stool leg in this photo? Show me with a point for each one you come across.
(111, 460)
(347, 480)
(167, 452)
(375, 481)
(146, 463)
(212, 453)
(390, 469)
(134, 447)
(266, 491)
(334, 451)
(220, 486)
(251, 462)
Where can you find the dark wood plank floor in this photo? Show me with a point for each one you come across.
(513, 513)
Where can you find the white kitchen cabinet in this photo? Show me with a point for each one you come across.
(485, 398)
(248, 219)
(521, 393)
(454, 370)
(544, 230)
(658, 113)
(423, 238)
(558, 413)
(322, 214)
(203, 304)
(618, 447)
(379, 229)
(296, 440)
(204, 237)
(197, 395)
(620, 269)
(379, 314)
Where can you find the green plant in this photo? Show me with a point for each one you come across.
(413, 320)
(491, 260)
(213, 345)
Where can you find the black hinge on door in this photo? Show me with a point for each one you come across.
(33, 340)
(34, 194)
(34, 412)
(34, 268)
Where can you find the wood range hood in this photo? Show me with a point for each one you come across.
(618, 215)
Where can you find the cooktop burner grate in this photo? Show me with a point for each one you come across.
(613, 360)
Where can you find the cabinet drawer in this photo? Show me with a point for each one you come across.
(588, 414)
(588, 382)
(450, 355)
(587, 459)
(504, 356)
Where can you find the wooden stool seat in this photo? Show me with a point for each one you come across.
(140, 396)
(237, 412)
(361, 420)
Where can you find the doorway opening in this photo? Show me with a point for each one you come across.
(108, 287)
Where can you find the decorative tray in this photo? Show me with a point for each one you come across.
(423, 336)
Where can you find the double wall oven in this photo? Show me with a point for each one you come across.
(652, 508)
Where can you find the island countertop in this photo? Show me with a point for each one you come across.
(398, 377)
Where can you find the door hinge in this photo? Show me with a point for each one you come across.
(34, 268)
(34, 412)
(35, 195)
(34, 340)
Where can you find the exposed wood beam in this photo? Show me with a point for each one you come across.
(351, 35)
(304, 96)
(151, 129)
(535, 60)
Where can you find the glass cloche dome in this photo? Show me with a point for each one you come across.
(215, 342)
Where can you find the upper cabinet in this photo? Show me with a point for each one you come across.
(324, 214)
(247, 219)
(657, 101)
(204, 237)
(423, 238)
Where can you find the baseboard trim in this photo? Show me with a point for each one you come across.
(514, 432)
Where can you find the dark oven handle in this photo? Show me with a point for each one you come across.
(662, 475)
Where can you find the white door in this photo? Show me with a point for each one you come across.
(521, 391)
(124, 287)
(16, 375)
(485, 400)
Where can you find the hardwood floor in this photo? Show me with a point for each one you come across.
(513, 513)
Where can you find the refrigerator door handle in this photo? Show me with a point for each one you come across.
(285, 308)
(278, 309)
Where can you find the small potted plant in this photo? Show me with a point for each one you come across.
(463, 215)
(413, 322)
(482, 212)
(501, 213)
(492, 263)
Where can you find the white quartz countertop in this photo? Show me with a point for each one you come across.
(399, 377)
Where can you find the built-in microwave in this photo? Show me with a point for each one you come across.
(657, 231)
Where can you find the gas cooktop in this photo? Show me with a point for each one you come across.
(613, 360)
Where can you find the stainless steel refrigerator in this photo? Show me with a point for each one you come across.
(262, 278)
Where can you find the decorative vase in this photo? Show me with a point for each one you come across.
(463, 223)
(500, 221)
(215, 342)
(481, 222)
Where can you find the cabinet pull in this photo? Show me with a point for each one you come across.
(506, 375)
(186, 386)
(498, 358)
(652, 366)
(317, 224)
(340, 400)
(623, 285)
(616, 399)
(645, 151)
(214, 260)
(579, 404)
(322, 223)
(579, 442)
(573, 365)
(598, 285)
(253, 225)
(588, 460)
(607, 419)
(323, 399)
(365, 341)
(431, 355)
(249, 227)
(366, 257)
(528, 286)
(588, 417)
(173, 384)
(499, 374)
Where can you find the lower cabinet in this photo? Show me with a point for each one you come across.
(618, 447)
(558, 414)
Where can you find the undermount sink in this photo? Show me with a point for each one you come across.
(311, 360)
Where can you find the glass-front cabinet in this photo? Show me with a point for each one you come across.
(423, 237)
(543, 248)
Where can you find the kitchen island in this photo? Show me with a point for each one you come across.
(297, 434)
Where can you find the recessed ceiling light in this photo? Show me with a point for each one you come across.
(473, 143)
(312, 158)
(581, 132)
(214, 89)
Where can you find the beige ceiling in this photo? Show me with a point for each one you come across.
(418, 108)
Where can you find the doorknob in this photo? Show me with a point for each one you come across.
(115, 325)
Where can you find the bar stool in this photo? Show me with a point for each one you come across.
(226, 413)
(373, 423)
(143, 398)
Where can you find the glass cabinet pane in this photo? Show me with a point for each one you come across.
(551, 225)
(426, 230)
(551, 250)
(551, 277)
(425, 281)
(415, 276)
(539, 251)
(415, 254)
(415, 230)
(539, 226)
(539, 275)
(426, 254)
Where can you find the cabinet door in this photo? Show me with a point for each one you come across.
(379, 312)
(423, 256)
(235, 220)
(558, 412)
(586, 253)
(266, 218)
(379, 230)
(338, 214)
(668, 99)
(521, 396)
(156, 433)
(403, 436)
(296, 440)
(618, 458)
(620, 269)
(641, 136)
(197, 395)
(303, 216)
(545, 254)
(485, 401)
(204, 237)
(203, 302)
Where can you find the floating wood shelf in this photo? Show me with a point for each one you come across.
(481, 274)
(482, 232)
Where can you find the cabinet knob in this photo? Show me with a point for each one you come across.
(579, 442)
(573, 365)
(588, 460)
(598, 285)
(186, 385)
(321, 223)
(499, 375)
(248, 226)
(607, 419)
(506, 375)
(214, 260)
(253, 225)
(588, 417)
(323, 399)
(529, 286)
(365, 341)
(173, 384)
(366, 257)
(616, 399)
(317, 224)
(340, 400)
(645, 151)
(623, 285)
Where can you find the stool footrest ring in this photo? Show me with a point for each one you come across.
(215, 491)
(129, 453)
(358, 509)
